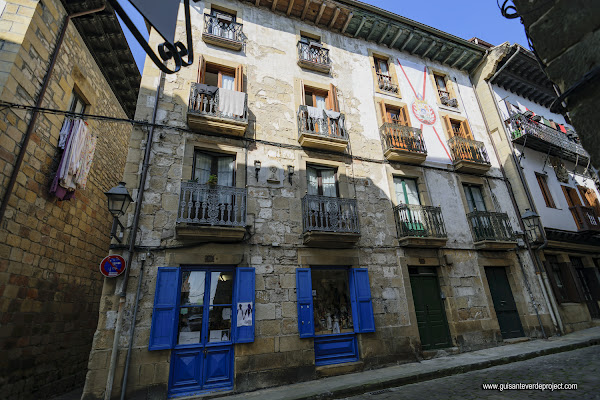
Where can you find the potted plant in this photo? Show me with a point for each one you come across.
(212, 180)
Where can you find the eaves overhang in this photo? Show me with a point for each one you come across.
(106, 41)
(363, 21)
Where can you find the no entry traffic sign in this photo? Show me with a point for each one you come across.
(112, 266)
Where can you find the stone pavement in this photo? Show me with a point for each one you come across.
(398, 375)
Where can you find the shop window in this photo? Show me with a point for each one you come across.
(474, 196)
(333, 301)
(197, 307)
(543, 182)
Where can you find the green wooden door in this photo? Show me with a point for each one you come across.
(504, 303)
(431, 316)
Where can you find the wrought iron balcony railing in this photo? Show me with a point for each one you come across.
(419, 221)
(208, 105)
(486, 225)
(212, 205)
(586, 218)
(325, 126)
(539, 136)
(400, 137)
(385, 83)
(329, 214)
(314, 53)
(222, 28)
(468, 150)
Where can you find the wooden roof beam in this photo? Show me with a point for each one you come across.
(375, 23)
(462, 55)
(396, 36)
(418, 45)
(387, 30)
(289, 10)
(334, 18)
(449, 55)
(350, 15)
(408, 39)
(274, 5)
(433, 43)
(306, 5)
(469, 61)
(362, 22)
(321, 10)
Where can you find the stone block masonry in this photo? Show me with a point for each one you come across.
(49, 250)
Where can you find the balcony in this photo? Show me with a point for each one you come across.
(540, 137)
(322, 131)
(206, 112)
(586, 219)
(491, 230)
(329, 222)
(403, 143)
(469, 155)
(385, 83)
(420, 226)
(211, 212)
(314, 57)
(223, 32)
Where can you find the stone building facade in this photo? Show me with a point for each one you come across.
(323, 196)
(49, 249)
(551, 174)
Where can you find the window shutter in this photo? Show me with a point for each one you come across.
(404, 115)
(465, 129)
(574, 289)
(201, 69)
(383, 111)
(362, 306)
(164, 314)
(550, 273)
(303, 93)
(306, 326)
(333, 98)
(244, 293)
(239, 78)
(448, 126)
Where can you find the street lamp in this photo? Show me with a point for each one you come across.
(533, 226)
(118, 201)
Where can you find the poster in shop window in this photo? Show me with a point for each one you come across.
(244, 314)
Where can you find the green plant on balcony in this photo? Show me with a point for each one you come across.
(212, 180)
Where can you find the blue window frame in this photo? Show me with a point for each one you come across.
(193, 305)
(360, 319)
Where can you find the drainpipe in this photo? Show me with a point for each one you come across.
(544, 283)
(132, 238)
(38, 104)
(515, 206)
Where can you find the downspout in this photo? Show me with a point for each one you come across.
(544, 284)
(514, 203)
(38, 104)
(132, 238)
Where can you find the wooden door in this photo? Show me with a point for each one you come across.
(504, 303)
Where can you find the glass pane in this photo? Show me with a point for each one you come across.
(478, 198)
(383, 67)
(192, 287)
(225, 171)
(221, 287)
(190, 325)
(219, 324)
(441, 82)
(412, 193)
(320, 102)
(399, 189)
(331, 301)
(202, 168)
(328, 179)
(228, 82)
(312, 182)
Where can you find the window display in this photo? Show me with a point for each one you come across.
(331, 301)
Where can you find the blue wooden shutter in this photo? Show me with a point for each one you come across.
(362, 306)
(244, 293)
(162, 331)
(306, 327)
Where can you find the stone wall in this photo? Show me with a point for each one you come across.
(275, 247)
(49, 250)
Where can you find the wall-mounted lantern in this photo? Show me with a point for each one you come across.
(118, 201)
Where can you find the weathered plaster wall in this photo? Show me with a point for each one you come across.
(49, 250)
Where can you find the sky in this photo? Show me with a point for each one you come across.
(462, 18)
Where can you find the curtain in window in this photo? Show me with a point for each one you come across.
(320, 102)
(406, 191)
(202, 168)
(312, 181)
(225, 176)
(328, 179)
(228, 82)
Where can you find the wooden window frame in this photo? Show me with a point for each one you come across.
(319, 168)
(237, 72)
(465, 128)
(214, 163)
(542, 180)
(449, 87)
(331, 102)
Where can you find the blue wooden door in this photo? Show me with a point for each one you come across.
(202, 358)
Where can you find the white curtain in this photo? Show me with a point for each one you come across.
(320, 103)
(228, 82)
(312, 182)
(225, 176)
(202, 168)
(328, 181)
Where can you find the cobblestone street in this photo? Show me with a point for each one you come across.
(579, 366)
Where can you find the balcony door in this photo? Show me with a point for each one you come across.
(474, 198)
(216, 202)
(408, 194)
(573, 201)
(321, 181)
(321, 186)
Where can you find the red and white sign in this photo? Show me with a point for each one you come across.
(112, 266)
